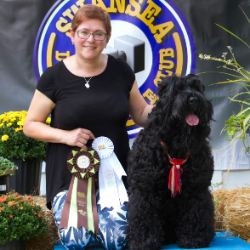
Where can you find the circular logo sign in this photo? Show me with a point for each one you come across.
(153, 34)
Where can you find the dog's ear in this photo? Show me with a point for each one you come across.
(166, 86)
(166, 93)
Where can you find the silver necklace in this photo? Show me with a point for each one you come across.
(87, 82)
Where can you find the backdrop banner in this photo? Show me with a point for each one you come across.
(159, 37)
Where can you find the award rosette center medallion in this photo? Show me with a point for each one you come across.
(80, 204)
(83, 162)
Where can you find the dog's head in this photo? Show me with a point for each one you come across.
(182, 106)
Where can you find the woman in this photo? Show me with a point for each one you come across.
(88, 94)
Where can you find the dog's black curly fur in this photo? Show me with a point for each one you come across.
(155, 217)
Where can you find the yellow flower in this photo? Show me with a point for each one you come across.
(20, 123)
(48, 120)
(18, 129)
(5, 138)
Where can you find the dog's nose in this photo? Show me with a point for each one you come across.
(192, 100)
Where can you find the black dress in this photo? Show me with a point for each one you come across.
(103, 108)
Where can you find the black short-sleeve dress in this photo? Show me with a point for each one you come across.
(103, 108)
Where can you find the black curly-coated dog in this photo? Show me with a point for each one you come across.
(170, 170)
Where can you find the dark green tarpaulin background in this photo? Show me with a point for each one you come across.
(20, 20)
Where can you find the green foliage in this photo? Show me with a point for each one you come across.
(6, 167)
(20, 218)
(13, 143)
(237, 125)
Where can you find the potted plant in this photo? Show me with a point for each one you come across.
(238, 124)
(26, 152)
(20, 219)
(14, 144)
(7, 168)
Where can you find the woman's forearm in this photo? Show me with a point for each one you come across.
(43, 132)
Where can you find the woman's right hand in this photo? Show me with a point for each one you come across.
(78, 137)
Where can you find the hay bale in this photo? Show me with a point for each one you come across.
(221, 198)
(237, 213)
(48, 240)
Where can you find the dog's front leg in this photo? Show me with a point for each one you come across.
(195, 227)
(143, 220)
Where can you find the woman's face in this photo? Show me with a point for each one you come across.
(90, 38)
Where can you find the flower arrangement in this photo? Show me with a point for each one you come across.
(237, 125)
(20, 218)
(13, 143)
(7, 167)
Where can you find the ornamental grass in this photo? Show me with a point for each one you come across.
(236, 75)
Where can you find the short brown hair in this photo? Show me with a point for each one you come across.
(89, 11)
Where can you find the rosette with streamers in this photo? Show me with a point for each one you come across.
(111, 188)
(80, 204)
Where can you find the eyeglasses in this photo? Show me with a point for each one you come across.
(97, 35)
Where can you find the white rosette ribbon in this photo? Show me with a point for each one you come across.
(111, 188)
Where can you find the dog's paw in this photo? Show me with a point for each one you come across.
(192, 243)
(148, 244)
